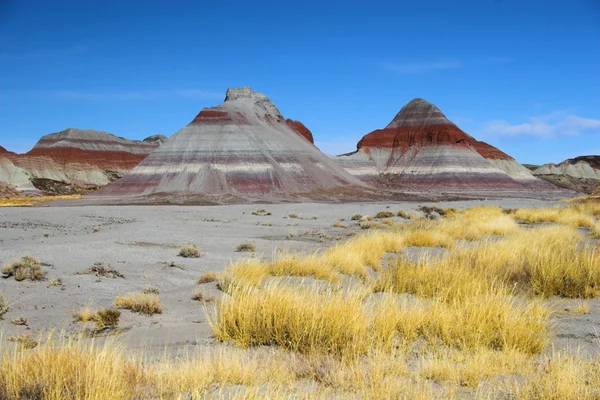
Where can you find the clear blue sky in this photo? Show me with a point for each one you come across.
(522, 75)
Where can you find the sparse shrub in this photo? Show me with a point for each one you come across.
(151, 290)
(208, 277)
(293, 215)
(338, 224)
(384, 214)
(148, 304)
(356, 217)
(107, 318)
(403, 214)
(96, 229)
(46, 234)
(27, 267)
(20, 321)
(261, 212)
(101, 270)
(4, 306)
(84, 315)
(199, 296)
(189, 251)
(24, 341)
(55, 282)
(246, 246)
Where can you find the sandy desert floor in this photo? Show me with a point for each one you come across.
(142, 243)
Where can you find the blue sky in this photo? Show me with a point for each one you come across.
(521, 75)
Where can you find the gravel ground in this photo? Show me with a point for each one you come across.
(141, 241)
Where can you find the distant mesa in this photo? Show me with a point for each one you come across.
(581, 174)
(421, 148)
(241, 148)
(74, 161)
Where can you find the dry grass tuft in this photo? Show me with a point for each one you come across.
(570, 216)
(470, 368)
(24, 341)
(4, 305)
(27, 267)
(101, 270)
(246, 246)
(356, 217)
(261, 212)
(104, 318)
(299, 320)
(151, 290)
(200, 296)
(295, 265)
(562, 377)
(582, 308)
(208, 277)
(338, 224)
(428, 239)
(189, 251)
(20, 321)
(148, 304)
(384, 214)
(404, 215)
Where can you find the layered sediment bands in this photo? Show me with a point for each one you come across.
(74, 160)
(422, 148)
(581, 174)
(241, 147)
(299, 128)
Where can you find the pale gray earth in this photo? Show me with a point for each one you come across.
(138, 241)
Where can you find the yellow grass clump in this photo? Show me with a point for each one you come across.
(27, 267)
(303, 320)
(33, 201)
(4, 305)
(562, 376)
(570, 216)
(492, 320)
(143, 303)
(296, 265)
(469, 368)
(428, 239)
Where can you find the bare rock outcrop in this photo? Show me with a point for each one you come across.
(73, 161)
(581, 174)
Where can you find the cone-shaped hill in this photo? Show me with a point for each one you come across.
(242, 148)
(421, 148)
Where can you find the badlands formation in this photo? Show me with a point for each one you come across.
(242, 149)
(581, 174)
(423, 149)
(74, 160)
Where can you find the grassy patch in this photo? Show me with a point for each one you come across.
(208, 277)
(148, 304)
